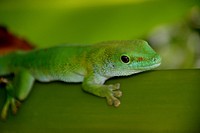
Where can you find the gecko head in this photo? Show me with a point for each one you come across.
(129, 57)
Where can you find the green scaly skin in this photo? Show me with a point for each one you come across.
(91, 64)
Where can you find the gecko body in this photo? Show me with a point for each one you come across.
(91, 64)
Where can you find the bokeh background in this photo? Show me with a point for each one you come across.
(172, 27)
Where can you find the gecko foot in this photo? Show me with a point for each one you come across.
(3, 80)
(113, 94)
(14, 106)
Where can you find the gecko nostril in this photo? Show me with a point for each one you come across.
(154, 59)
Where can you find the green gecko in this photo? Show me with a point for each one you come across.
(90, 64)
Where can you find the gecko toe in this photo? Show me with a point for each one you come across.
(3, 114)
(116, 103)
(117, 93)
(116, 86)
(111, 100)
(15, 104)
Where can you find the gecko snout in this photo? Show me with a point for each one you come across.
(156, 59)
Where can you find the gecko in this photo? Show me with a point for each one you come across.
(91, 65)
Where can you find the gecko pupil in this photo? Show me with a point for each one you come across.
(125, 59)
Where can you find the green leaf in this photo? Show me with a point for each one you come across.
(155, 101)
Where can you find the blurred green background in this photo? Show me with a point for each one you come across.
(156, 101)
(47, 22)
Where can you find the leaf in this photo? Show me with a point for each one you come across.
(155, 101)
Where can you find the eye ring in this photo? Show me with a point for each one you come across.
(125, 59)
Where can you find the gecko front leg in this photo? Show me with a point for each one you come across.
(94, 84)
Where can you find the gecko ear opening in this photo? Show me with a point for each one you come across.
(125, 59)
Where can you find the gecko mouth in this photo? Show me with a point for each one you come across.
(155, 62)
(148, 67)
(153, 66)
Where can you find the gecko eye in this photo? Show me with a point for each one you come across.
(125, 59)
